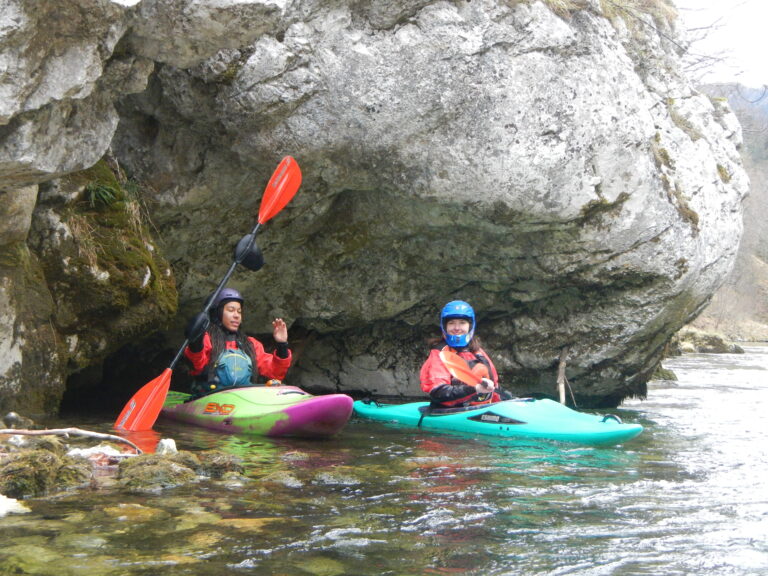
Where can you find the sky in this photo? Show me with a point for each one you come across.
(729, 30)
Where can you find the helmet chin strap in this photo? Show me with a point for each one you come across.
(458, 340)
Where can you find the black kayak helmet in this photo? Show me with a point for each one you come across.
(226, 295)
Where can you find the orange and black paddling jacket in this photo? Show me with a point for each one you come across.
(446, 391)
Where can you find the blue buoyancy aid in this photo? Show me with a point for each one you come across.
(233, 368)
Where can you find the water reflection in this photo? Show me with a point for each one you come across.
(146, 440)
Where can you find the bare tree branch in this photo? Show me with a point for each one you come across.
(70, 432)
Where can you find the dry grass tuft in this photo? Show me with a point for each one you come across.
(629, 10)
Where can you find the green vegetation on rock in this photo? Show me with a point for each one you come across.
(38, 472)
(109, 273)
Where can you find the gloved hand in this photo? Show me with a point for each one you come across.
(486, 385)
(195, 329)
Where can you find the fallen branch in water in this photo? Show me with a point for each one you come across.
(71, 432)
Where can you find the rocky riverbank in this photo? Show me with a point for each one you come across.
(39, 463)
(693, 340)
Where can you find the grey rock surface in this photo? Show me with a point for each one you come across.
(558, 171)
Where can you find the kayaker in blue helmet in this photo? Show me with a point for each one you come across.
(223, 356)
(457, 322)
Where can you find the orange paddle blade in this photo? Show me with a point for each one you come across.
(459, 368)
(283, 185)
(144, 407)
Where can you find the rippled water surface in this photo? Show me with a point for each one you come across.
(689, 496)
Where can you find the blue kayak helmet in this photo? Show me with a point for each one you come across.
(457, 309)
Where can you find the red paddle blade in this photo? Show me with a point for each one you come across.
(143, 408)
(283, 185)
(459, 368)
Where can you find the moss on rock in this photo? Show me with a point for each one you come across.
(150, 472)
(102, 265)
(661, 373)
(39, 472)
(220, 464)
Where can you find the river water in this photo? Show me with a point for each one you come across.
(689, 496)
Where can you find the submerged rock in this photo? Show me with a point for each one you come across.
(34, 465)
(218, 465)
(149, 472)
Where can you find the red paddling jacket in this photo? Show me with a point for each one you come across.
(271, 366)
(444, 390)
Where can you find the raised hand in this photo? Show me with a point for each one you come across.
(279, 330)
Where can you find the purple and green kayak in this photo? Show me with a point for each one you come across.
(262, 410)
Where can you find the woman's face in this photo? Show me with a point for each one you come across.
(231, 316)
(457, 326)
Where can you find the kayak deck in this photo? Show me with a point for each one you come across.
(262, 410)
(519, 418)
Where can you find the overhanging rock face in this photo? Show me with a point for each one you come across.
(557, 171)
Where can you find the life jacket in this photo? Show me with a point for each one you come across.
(233, 367)
(480, 366)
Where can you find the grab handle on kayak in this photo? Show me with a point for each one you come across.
(611, 417)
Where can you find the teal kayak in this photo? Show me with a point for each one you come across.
(519, 418)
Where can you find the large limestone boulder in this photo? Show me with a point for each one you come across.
(29, 355)
(77, 281)
(555, 168)
(739, 309)
(61, 75)
(557, 171)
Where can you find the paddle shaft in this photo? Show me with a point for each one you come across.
(238, 259)
(143, 408)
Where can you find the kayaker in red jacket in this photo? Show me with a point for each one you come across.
(457, 322)
(224, 356)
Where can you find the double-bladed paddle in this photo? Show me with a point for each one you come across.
(143, 408)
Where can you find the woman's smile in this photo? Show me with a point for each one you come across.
(457, 326)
